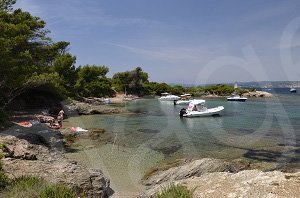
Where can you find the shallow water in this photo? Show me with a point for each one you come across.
(260, 130)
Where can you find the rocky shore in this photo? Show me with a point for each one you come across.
(39, 152)
(217, 178)
(84, 108)
(252, 94)
(258, 94)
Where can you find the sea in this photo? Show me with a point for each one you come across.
(264, 131)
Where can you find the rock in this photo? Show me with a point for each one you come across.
(17, 148)
(191, 169)
(38, 160)
(257, 94)
(247, 183)
(99, 135)
(95, 133)
(83, 108)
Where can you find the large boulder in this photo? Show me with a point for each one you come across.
(258, 94)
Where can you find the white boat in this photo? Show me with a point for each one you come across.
(197, 108)
(293, 90)
(236, 98)
(168, 97)
(185, 99)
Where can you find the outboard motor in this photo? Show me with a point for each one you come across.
(182, 112)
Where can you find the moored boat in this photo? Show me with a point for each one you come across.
(236, 98)
(293, 90)
(197, 108)
(185, 99)
(168, 97)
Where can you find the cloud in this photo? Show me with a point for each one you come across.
(29, 6)
(268, 13)
(187, 55)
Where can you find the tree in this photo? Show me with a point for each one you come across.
(162, 87)
(131, 81)
(177, 90)
(92, 81)
(27, 52)
(7, 5)
(64, 65)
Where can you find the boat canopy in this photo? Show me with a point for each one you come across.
(165, 93)
(186, 95)
(196, 102)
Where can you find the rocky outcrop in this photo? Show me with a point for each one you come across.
(248, 183)
(195, 168)
(258, 94)
(24, 158)
(83, 108)
(217, 178)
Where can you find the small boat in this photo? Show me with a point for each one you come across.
(168, 97)
(185, 99)
(235, 97)
(197, 108)
(293, 90)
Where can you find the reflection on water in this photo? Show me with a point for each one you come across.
(259, 129)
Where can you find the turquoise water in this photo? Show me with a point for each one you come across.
(260, 130)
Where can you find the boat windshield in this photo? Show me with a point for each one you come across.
(201, 107)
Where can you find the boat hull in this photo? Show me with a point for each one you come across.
(208, 112)
(237, 99)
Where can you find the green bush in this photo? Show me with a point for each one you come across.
(25, 187)
(4, 180)
(57, 191)
(33, 187)
(175, 191)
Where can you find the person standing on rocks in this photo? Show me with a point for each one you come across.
(61, 113)
(60, 117)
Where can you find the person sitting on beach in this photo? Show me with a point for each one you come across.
(51, 122)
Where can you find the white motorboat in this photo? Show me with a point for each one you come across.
(185, 99)
(293, 90)
(197, 108)
(168, 97)
(235, 97)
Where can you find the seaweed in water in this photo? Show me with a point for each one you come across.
(148, 130)
(167, 150)
(263, 155)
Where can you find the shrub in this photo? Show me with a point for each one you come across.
(57, 191)
(177, 191)
(33, 187)
(4, 180)
(25, 187)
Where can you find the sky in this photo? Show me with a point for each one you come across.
(180, 41)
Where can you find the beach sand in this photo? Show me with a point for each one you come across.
(124, 166)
